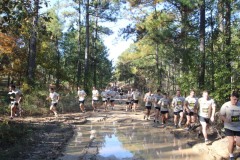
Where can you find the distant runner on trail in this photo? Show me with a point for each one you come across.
(148, 99)
(95, 100)
(54, 97)
(164, 105)
(129, 101)
(15, 98)
(121, 95)
(191, 109)
(177, 104)
(206, 112)
(157, 107)
(230, 114)
(112, 97)
(81, 97)
(135, 96)
(104, 98)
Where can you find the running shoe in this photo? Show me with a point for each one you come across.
(207, 141)
(231, 158)
(176, 126)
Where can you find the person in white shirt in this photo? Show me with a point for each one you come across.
(206, 112)
(81, 98)
(15, 98)
(190, 107)
(129, 101)
(112, 98)
(54, 97)
(135, 96)
(148, 99)
(95, 96)
(164, 105)
(104, 95)
(230, 114)
(177, 104)
(157, 107)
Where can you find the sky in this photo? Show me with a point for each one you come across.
(115, 44)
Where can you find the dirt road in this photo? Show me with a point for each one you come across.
(111, 135)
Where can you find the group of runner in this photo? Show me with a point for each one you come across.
(201, 109)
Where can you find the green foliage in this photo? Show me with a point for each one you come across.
(12, 137)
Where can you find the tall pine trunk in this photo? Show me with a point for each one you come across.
(228, 36)
(202, 46)
(87, 46)
(79, 64)
(33, 46)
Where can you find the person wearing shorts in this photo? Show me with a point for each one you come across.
(15, 98)
(135, 96)
(81, 98)
(112, 98)
(121, 95)
(206, 112)
(164, 104)
(177, 104)
(129, 100)
(104, 99)
(148, 99)
(230, 114)
(54, 97)
(95, 100)
(190, 107)
(157, 107)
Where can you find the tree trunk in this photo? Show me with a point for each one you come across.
(79, 45)
(33, 45)
(87, 46)
(202, 46)
(95, 47)
(58, 64)
(228, 35)
(159, 76)
(212, 54)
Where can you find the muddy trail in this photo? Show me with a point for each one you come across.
(111, 135)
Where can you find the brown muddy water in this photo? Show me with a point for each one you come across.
(126, 141)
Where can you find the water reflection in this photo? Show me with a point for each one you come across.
(113, 147)
(136, 141)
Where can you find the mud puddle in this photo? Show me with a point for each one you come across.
(116, 141)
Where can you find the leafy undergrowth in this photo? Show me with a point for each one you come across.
(33, 140)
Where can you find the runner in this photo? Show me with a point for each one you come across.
(230, 113)
(121, 95)
(129, 100)
(95, 100)
(148, 99)
(54, 97)
(177, 103)
(190, 107)
(206, 111)
(112, 98)
(81, 96)
(157, 107)
(15, 98)
(104, 99)
(135, 96)
(164, 105)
